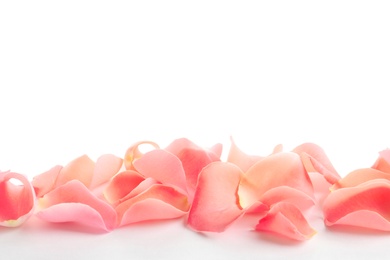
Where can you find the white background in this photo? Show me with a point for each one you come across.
(96, 76)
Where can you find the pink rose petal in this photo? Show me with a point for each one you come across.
(158, 202)
(163, 166)
(121, 185)
(366, 205)
(287, 220)
(383, 161)
(106, 167)
(73, 202)
(216, 203)
(360, 176)
(241, 159)
(45, 182)
(315, 160)
(133, 153)
(16, 201)
(280, 169)
(287, 194)
(193, 159)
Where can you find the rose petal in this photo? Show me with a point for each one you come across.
(105, 168)
(365, 205)
(133, 153)
(315, 160)
(280, 169)
(45, 182)
(215, 205)
(383, 161)
(80, 169)
(121, 185)
(158, 202)
(287, 194)
(194, 159)
(360, 176)
(16, 201)
(162, 166)
(241, 159)
(287, 220)
(73, 202)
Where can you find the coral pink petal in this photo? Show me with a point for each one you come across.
(162, 166)
(143, 186)
(287, 220)
(45, 182)
(315, 160)
(241, 159)
(80, 169)
(105, 168)
(193, 162)
(383, 161)
(280, 169)
(215, 205)
(79, 204)
(360, 176)
(287, 194)
(16, 201)
(133, 153)
(158, 202)
(366, 205)
(121, 185)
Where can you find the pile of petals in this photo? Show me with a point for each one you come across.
(187, 181)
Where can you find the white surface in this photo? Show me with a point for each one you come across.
(95, 76)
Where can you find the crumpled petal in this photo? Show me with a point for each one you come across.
(133, 153)
(215, 205)
(16, 201)
(157, 202)
(45, 182)
(287, 220)
(315, 160)
(365, 205)
(73, 202)
(280, 169)
(193, 159)
(162, 166)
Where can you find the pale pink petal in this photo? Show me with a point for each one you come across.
(45, 182)
(16, 200)
(105, 168)
(194, 159)
(287, 220)
(280, 169)
(366, 205)
(133, 153)
(383, 161)
(73, 202)
(241, 159)
(121, 185)
(162, 166)
(287, 194)
(80, 169)
(183, 143)
(315, 160)
(143, 186)
(193, 162)
(158, 202)
(360, 176)
(216, 204)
